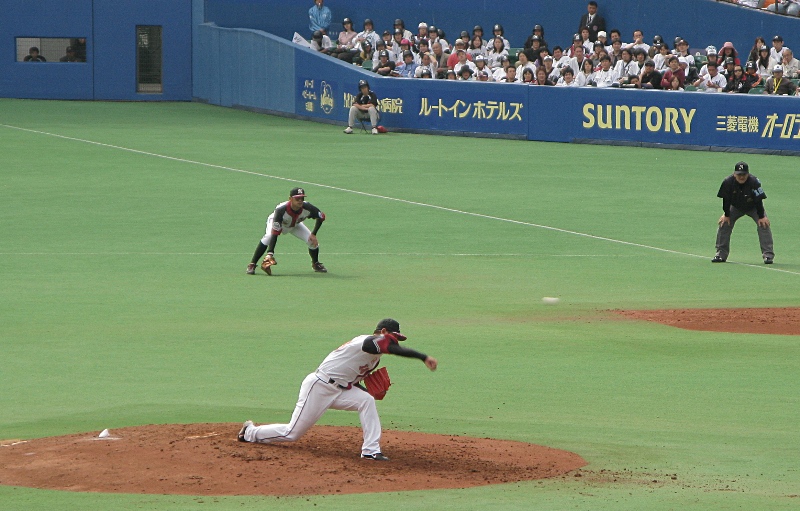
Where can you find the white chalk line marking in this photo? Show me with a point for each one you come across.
(404, 201)
(398, 254)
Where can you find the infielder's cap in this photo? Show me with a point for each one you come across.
(389, 324)
(740, 168)
(297, 192)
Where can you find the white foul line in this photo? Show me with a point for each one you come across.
(366, 194)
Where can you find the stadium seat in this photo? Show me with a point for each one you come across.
(367, 65)
(690, 88)
(756, 90)
(700, 60)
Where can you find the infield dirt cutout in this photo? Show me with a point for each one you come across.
(783, 321)
(206, 459)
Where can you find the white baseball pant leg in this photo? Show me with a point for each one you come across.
(300, 231)
(316, 396)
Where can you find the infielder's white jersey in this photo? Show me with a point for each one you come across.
(349, 364)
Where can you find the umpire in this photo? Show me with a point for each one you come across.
(741, 194)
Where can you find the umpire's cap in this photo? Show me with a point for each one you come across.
(389, 324)
(741, 168)
(297, 192)
(363, 83)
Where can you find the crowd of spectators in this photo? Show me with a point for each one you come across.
(594, 58)
(787, 7)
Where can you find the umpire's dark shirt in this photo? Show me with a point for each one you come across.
(744, 197)
(365, 99)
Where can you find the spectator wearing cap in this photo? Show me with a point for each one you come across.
(440, 58)
(70, 56)
(616, 52)
(538, 32)
(368, 34)
(577, 42)
(759, 42)
(729, 68)
(776, 52)
(593, 21)
(711, 54)
(465, 73)
(602, 38)
(598, 50)
(408, 68)
(501, 72)
(422, 32)
(728, 51)
(713, 81)
(681, 48)
(497, 31)
(765, 62)
(433, 37)
(657, 40)
(319, 17)
(454, 58)
(650, 78)
(321, 42)
(778, 84)
(385, 66)
(673, 72)
(451, 75)
(366, 54)
(553, 74)
(688, 69)
(443, 39)
(737, 82)
(496, 50)
(424, 46)
(606, 76)
(462, 62)
(567, 78)
(751, 75)
(791, 66)
(34, 56)
(464, 36)
(626, 67)
(380, 48)
(481, 65)
(426, 73)
(788, 7)
(399, 23)
(405, 45)
(395, 51)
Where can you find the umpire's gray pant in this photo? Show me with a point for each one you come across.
(724, 234)
(355, 113)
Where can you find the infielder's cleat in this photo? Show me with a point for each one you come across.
(348, 130)
(319, 267)
(374, 457)
(251, 269)
(246, 425)
(718, 259)
(767, 260)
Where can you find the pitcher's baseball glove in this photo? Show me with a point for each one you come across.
(267, 263)
(377, 383)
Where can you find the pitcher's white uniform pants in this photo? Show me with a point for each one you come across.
(316, 396)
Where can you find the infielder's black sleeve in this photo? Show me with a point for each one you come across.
(316, 214)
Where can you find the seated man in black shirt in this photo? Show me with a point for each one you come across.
(384, 66)
(70, 56)
(364, 107)
(33, 55)
(649, 77)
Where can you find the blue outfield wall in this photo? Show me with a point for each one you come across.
(255, 70)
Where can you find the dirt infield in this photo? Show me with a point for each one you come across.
(206, 459)
(783, 321)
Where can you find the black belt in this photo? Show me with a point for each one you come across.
(333, 382)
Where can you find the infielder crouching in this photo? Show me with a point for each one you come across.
(335, 384)
(288, 218)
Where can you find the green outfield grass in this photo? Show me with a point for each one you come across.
(124, 299)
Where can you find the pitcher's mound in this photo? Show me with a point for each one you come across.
(206, 459)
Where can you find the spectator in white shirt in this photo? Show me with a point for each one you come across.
(713, 81)
(791, 66)
(605, 77)
(497, 50)
(626, 67)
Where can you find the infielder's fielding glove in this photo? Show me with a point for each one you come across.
(267, 263)
(377, 383)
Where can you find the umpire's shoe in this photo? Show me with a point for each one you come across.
(319, 267)
(767, 260)
(251, 269)
(246, 425)
(717, 259)
(374, 457)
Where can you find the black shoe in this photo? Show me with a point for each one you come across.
(375, 457)
(319, 268)
(767, 260)
(718, 259)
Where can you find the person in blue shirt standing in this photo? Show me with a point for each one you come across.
(319, 17)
